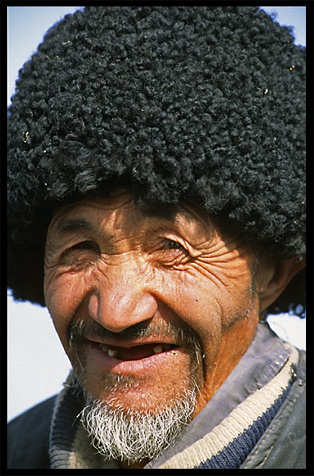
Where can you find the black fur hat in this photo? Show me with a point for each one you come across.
(202, 102)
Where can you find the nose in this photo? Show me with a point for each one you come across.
(123, 298)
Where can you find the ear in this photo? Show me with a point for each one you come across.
(274, 277)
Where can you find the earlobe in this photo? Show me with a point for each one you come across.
(275, 277)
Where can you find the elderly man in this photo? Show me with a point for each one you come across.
(156, 207)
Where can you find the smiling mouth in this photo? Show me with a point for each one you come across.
(137, 352)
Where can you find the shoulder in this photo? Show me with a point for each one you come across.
(283, 445)
(28, 437)
(289, 449)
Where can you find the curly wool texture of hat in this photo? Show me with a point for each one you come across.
(202, 102)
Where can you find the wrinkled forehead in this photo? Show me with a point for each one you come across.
(119, 207)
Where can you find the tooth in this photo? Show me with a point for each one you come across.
(158, 349)
(112, 353)
(106, 349)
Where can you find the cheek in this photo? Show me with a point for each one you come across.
(210, 300)
(64, 293)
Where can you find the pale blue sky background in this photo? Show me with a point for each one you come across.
(37, 364)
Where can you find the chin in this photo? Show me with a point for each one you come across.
(131, 396)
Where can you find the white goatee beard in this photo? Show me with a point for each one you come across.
(134, 436)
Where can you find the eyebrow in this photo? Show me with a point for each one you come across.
(74, 224)
(67, 225)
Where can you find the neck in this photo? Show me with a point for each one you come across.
(234, 343)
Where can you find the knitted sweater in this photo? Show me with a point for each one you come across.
(255, 420)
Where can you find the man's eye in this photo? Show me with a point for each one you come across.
(173, 245)
(171, 253)
(84, 245)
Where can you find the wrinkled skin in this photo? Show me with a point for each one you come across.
(119, 265)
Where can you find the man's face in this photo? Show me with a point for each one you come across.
(148, 304)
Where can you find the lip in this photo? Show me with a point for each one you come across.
(138, 366)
